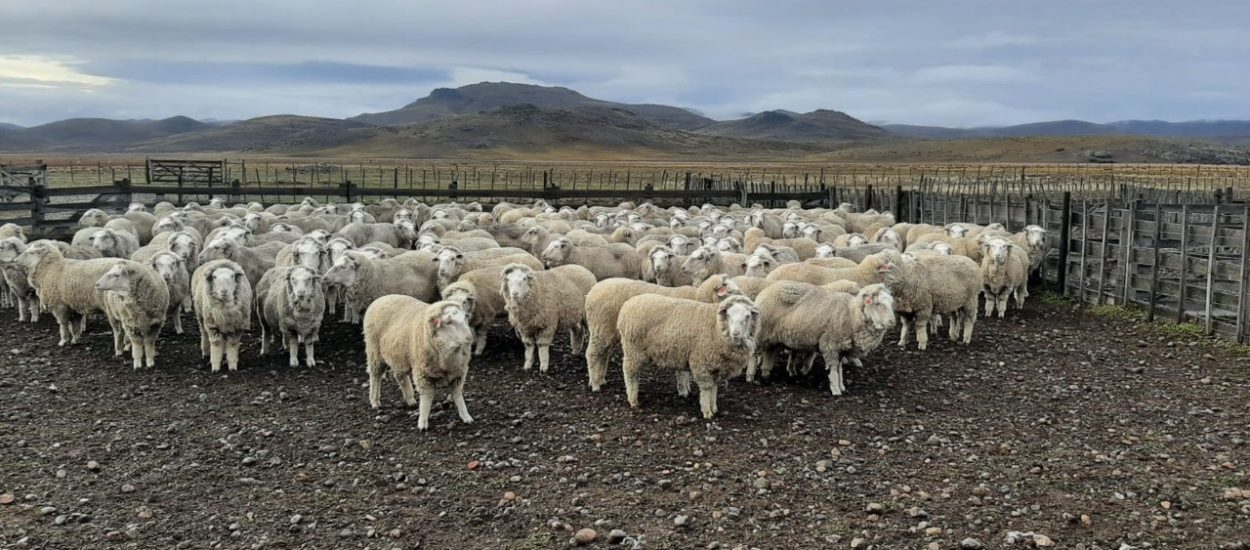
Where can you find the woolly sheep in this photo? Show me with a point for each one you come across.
(173, 269)
(540, 303)
(290, 303)
(838, 325)
(1033, 241)
(452, 262)
(703, 342)
(872, 270)
(222, 296)
(307, 252)
(488, 303)
(11, 230)
(706, 261)
(136, 301)
(1005, 273)
(365, 279)
(16, 282)
(65, 287)
(254, 260)
(605, 261)
(754, 237)
(114, 244)
(664, 268)
(717, 286)
(603, 303)
(935, 285)
(426, 347)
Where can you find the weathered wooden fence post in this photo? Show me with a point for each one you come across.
(1102, 255)
(1180, 305)
(1130, 234)
(1154, 271)
(902, 215)
(1065, 240)
(1215, 236)
(868, 198)
(1241, 286)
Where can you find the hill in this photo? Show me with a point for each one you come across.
(584, 132)
(1065, 149)
(277, 133)
(821, 125)
(1232, 131)
(488, 96)
(95, 134)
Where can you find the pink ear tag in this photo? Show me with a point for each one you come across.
(437, 321)
(868, 300)
(721, 291)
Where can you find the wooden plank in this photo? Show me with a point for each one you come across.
(1129, 247)
(1180, 309)
(1084, 245)
(1102, 260)
(1215, 227)
(1241, 286)
(1154, 273)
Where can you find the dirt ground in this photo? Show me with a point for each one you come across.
(1076, 430)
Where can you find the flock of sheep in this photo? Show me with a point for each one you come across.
(707, 293)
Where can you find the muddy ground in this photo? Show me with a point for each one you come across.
(1086, 431)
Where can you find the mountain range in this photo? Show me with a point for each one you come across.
(498, 120)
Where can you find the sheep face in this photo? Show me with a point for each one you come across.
(104, 241)
(725, 287)
(359, 216)
(283, 227)
(310, 254)
(33, 255)
(463, 294)
(729, 244)
(426, 240)
(255, 206)
(320, 234)
(759, 265)
(344, 271)
(995, 227)
(223, 284)
(252, 221)
(942, 248)
(890, 237)
(236, 234)
(556, 252)
(826, 250)
(997, 250)
(303, 285)
(450, 264)
(167, 224)
(702, 260)
(118, 279)
(229, 221)
(407, 230)
(955, 230)
(185, 245)
(603, 221)
(374, 253)
(219, 249)
(403, 214)
(10, 248)
(662, 259)
(1035, 235)
(518, 281)
(168, 265)
(93, 218)
(856, 240)
(216, 203)
(337, 247)
(878, 305)
(790, 230)
(680, 244)
(738, 320)
(532, 235)
(136, 207)
(881, 263)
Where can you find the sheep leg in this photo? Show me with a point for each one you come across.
(956, 322)
(406, 382)
(76, 329)
(811, 362)
(577, 339)
(423, 414)
(136, 349)
(770, 359)
(683, 383)
(187, 305)
(149, 351)
(902, 337)
(922, 332)
(544, 355)
(1002, 303)
(119, 336)
(629, 372)
(790, 363)
(232, 352)
(204, 341)
(373, 365)
(479, 340)
(62, 322)
(457, 395)
(177, 321)
(833, 361)
(596, 361)
(265, 337)
(310, 358)
(529, 352)
(969, 317)
(217, 349)
(707, 395)
(292, 346)
(989, 302)
(21, 309)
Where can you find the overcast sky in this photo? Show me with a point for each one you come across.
(949, 62)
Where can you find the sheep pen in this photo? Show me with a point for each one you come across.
(958, 436)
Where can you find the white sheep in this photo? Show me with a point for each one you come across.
(399, 234)
(664, 268)
(603, 303)
(838, 325)
(604, 261)
(66, 287)
(426, 347)
(290, 303)
(871, 270)
(540, 303)
(173, 269)
(223, 308)
(717, 286)
(703, 342)
(928, 286)
(365, 279)
(706, 261)
(452, 262)
(254, 260)
(1005, 273)
(136, 301)
(16, 281)
(114, 244)
(307, 252)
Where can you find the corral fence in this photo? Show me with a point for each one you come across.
(1177, 249)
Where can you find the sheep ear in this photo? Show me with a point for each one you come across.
(868, 300)
(437, 321)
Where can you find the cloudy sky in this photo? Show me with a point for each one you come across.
(950, 62)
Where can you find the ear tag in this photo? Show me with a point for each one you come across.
(868, 300)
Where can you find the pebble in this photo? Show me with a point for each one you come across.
(615, 536)
(1042, 541)
(585, 536)
(346, 532)
(761, 483)
(128, 488)
(971, 544)
(858, 542)
(93, 465)
(47, 510)
(7, 498)
(681, 520)
(933, 532)
(876, 508)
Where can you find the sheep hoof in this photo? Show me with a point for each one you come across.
(466, 419)
(293, 362)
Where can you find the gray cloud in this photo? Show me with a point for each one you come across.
(958, 62)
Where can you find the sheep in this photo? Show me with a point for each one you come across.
(935, 285)
(717, 286)
(606, 261)
(539, 303)
(307, 252)
(854, 253)
(770, 224)
(871, 270)
(400, 234)
(12, 230)
(222, 296)
(835, 262)
(664, 268)
(136, 301)
(1005, 273)
(426, 347)
(962, 246)
(290, 302)
(254, 260)
(488, 303)
(65, 287)
(137, 222)
(452, 262)
(767, 257)
(466, 244)
(173, 269)
(114, 244)
(365, 279)
(16, 282)
(1033, 241)
(754, 237)
(706, 261)
(703, 342)
(838, 325)
(603, 303)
